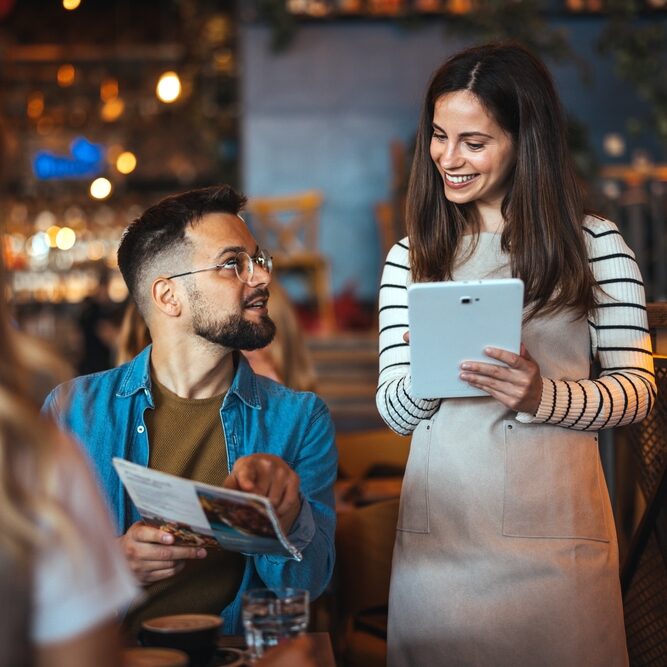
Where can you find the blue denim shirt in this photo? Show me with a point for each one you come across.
(105, 411)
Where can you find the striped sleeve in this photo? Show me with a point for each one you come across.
(399, 409)
(625, 390)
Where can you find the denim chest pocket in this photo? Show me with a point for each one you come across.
(554, 486)
(413, 513)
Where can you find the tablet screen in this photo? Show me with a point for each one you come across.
(451, 322)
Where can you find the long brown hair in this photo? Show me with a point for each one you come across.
(543, 208)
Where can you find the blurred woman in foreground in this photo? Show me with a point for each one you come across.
(59, 563)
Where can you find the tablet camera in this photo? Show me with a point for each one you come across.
(466, 300)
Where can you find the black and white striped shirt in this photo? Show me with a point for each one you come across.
(625, 390)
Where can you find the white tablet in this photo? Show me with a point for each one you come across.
(451, 322)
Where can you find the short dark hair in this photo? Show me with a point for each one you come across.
(160, 232)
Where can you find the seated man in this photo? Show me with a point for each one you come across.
(190, 405)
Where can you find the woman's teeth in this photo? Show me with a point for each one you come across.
(460, 179)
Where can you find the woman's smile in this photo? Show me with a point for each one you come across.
(459, 182)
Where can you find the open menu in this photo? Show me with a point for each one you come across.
(202, 515)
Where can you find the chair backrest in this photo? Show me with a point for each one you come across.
(358, 451)
(644, 572)
(286, 225)
(364, 546)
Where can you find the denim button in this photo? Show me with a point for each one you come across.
(140, 429)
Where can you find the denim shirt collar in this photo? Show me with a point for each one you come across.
(137, 377)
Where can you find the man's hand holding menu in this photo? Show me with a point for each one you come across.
(151, 554)
(268, 475)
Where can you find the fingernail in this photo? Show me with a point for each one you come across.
(465, 367)
(464, 376)
(167, 538)
(201, 553)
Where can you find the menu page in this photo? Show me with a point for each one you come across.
(199, 514)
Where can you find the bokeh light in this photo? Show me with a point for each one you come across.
(66, 75)
(100, 188)
(168, 87)
(65, 238)
(112, 110)
(126, 162)
(52, 234)
(613, 144)
(35, 107)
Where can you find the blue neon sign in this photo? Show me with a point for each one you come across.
(86, 159)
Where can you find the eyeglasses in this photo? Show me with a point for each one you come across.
(242, 263)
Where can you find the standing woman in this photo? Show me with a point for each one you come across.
(62, 576)
(506, 552)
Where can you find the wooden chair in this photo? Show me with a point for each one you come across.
(644, 571)
(390, 213)
(360, 451)
(384, 218)
(287, 226)
(364, 546)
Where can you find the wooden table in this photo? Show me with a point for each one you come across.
(323, 651)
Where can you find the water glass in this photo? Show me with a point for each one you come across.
(272, 615)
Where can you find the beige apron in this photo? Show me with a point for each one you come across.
(506, 552)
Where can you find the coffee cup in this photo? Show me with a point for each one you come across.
(154, 657)
(196, 634)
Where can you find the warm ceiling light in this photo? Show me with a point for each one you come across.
(100, 188)
(66, 75)
(112, 110)
(65, 238)
(613, 144)
(35, 105)
(126, 162)
(168, 87)
(71, 4)
(52, 233)
(459, 6)
(109, 90)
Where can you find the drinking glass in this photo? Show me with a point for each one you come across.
(272, 615)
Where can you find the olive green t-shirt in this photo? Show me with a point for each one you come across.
(186, 439)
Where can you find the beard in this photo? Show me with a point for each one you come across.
(235, 332)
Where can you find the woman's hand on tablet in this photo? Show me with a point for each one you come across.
(517, 385)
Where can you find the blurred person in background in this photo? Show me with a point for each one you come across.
(286, 358)
(99, 323)
(506, 552)
(62, 576)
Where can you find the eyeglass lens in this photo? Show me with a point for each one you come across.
(245, 265)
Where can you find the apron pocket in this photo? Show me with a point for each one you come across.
(413, 511)
(553, 483)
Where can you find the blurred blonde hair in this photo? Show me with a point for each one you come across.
(133, 336)
(288, 350)
(31, 514)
